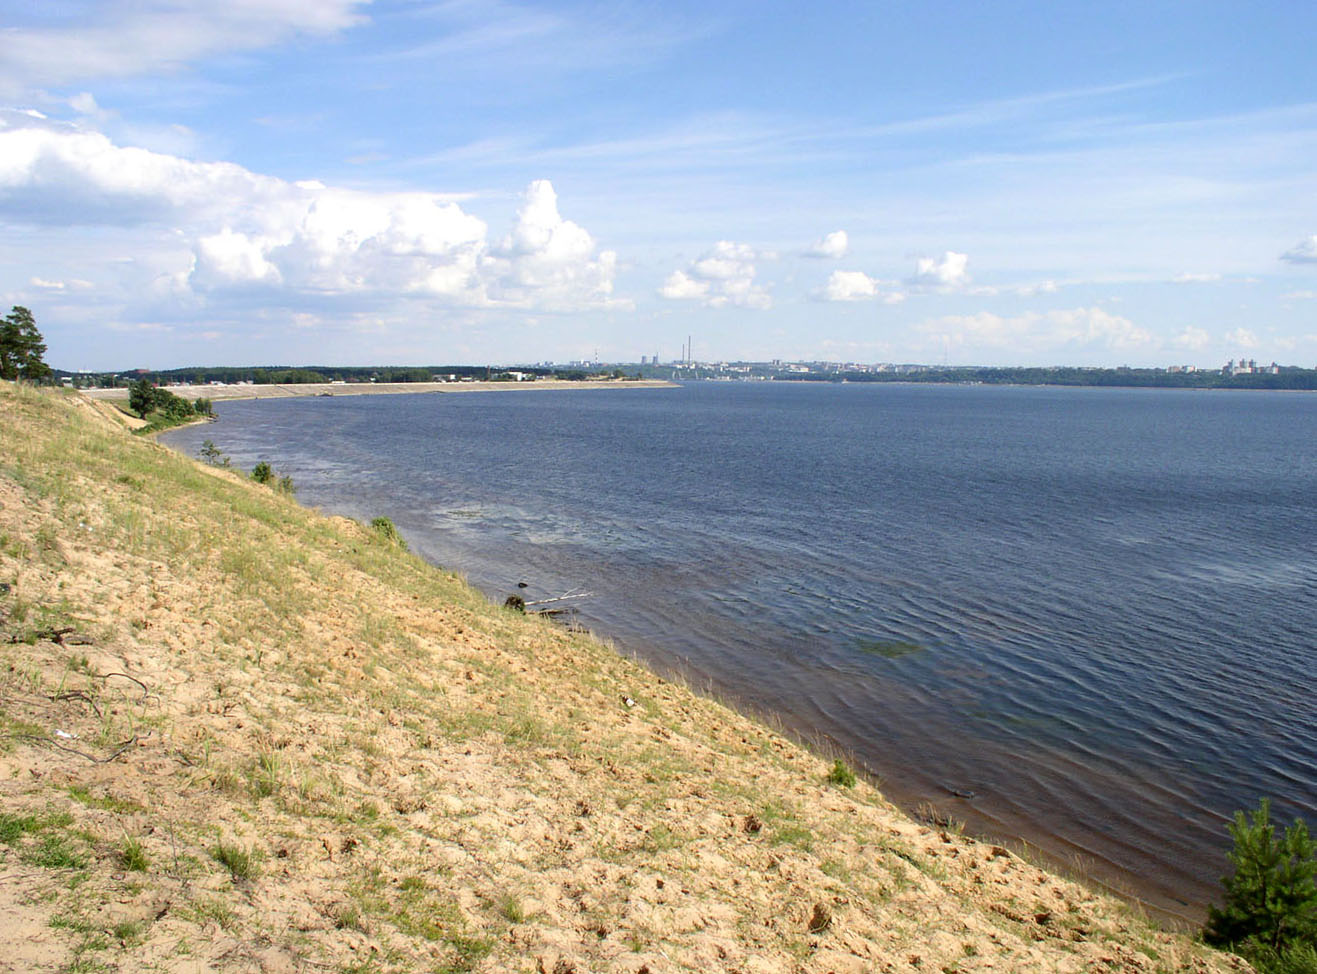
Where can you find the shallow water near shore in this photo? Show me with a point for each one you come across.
(1082, 617)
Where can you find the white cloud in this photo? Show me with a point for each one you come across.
(1061, 329)
(1242, 338)
(1188, 278)
(227, 257)
(1030, 290)
(680, 286)
(833, 246)
(719, 278)
(1193, 339)
(1019, 290)
(548, 262)
(245, 230)
(855, 286)
(1304, 252)
(1300, 295)
(948, 272)
(128, 38)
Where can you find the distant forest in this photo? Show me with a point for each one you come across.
(289, 375)
(1287, 378)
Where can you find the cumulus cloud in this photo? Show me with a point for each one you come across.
(126, 38)
(945, 273)
(832, 246)
(1193, 339)
(855, 286)
(1242, 338)
(680, 286)
(1304, 252)
(249, 231)
(548, 262)
(719, 278)
(1073, 328)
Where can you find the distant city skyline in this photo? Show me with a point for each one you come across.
(407, 182)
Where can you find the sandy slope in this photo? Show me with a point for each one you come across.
(274, 742)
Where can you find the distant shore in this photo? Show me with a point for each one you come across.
(245, 391)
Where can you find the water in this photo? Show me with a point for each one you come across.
(1083, 617)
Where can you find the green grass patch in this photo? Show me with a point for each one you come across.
(242, 863)
(133, 857)
(121, 806)
(841, 775)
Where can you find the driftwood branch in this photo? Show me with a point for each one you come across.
(78, 695)
(146, 691)
(123, 746)
(560, 598)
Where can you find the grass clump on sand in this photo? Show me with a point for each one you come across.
(388, 532)
(240, 732)
(841, 775)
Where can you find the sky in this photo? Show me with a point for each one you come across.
(297, 182)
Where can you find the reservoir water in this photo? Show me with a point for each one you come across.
(1084, 618)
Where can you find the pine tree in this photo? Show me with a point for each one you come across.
(1271, 897)
(22, 349)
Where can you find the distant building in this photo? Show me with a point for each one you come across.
(1250, 367)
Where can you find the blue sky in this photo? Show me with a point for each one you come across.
(345, 181)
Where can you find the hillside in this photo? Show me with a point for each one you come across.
(238, 735)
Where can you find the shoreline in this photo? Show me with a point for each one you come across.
(328, 389)
(904, 785)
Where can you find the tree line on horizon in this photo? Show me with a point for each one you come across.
(301, 375)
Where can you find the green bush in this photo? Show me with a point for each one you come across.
(212, 454)
(386, 529)
(262, 474)
(145, 399)
(1270, 910)
(841, 775)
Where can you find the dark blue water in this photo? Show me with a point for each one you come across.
(1092, 609)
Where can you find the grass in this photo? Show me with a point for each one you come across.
(510, 909)
(14, 827)
(120, 806)
(133, 856)
(841, 775)
(242, 863)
